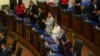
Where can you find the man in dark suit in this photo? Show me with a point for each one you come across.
(33, 11)
(4, 51)
(93, 10)
(41, 16)
(2, 39)
(62, 38)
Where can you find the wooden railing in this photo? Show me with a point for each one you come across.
(29, 38)
(83, 30)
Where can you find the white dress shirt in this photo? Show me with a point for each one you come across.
(55, 34)
(95, 6)
(99, 18)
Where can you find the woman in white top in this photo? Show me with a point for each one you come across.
(49, 23)
(55, 32)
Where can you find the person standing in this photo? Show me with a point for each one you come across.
(41, 16)
(20, 9)
(33, 12)
(49, 23)
(77, 7)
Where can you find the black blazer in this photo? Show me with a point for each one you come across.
(3, 40)
(63, 38)
(40, 18)
(92, 15)
(34, 10)
(92, 8)
(4, 53)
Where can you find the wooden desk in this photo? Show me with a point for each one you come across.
(27, 31)
(3, 18)
(64, 20)
(87, 31)
(97, 38)
(38, 43)
(77, 21)
(11, 23)
(20, 27)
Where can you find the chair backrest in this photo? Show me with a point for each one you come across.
(19, 51)
(78, 47)
(14, 44)
(6, 6)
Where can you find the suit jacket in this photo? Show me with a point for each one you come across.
(2, 41)
(63, 38)
(49, 24)
(34, 10)
(4, 53)
(39, 19)
(92, 8)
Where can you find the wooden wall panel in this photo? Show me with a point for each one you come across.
(77, 24)
(11, 23)
(87, 31)
(20, 27)
(97, 38)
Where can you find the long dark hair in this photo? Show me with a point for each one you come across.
(19, 3)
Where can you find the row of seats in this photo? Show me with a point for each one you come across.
(54, 48)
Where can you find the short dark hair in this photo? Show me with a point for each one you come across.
(41, 8)
(64, 28)
(31, 1)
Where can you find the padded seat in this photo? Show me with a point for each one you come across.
(33, 25)
(85, 3)
(95, 23)
(42, 32)
(49, 39)
(59, 54)
(54, 49)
